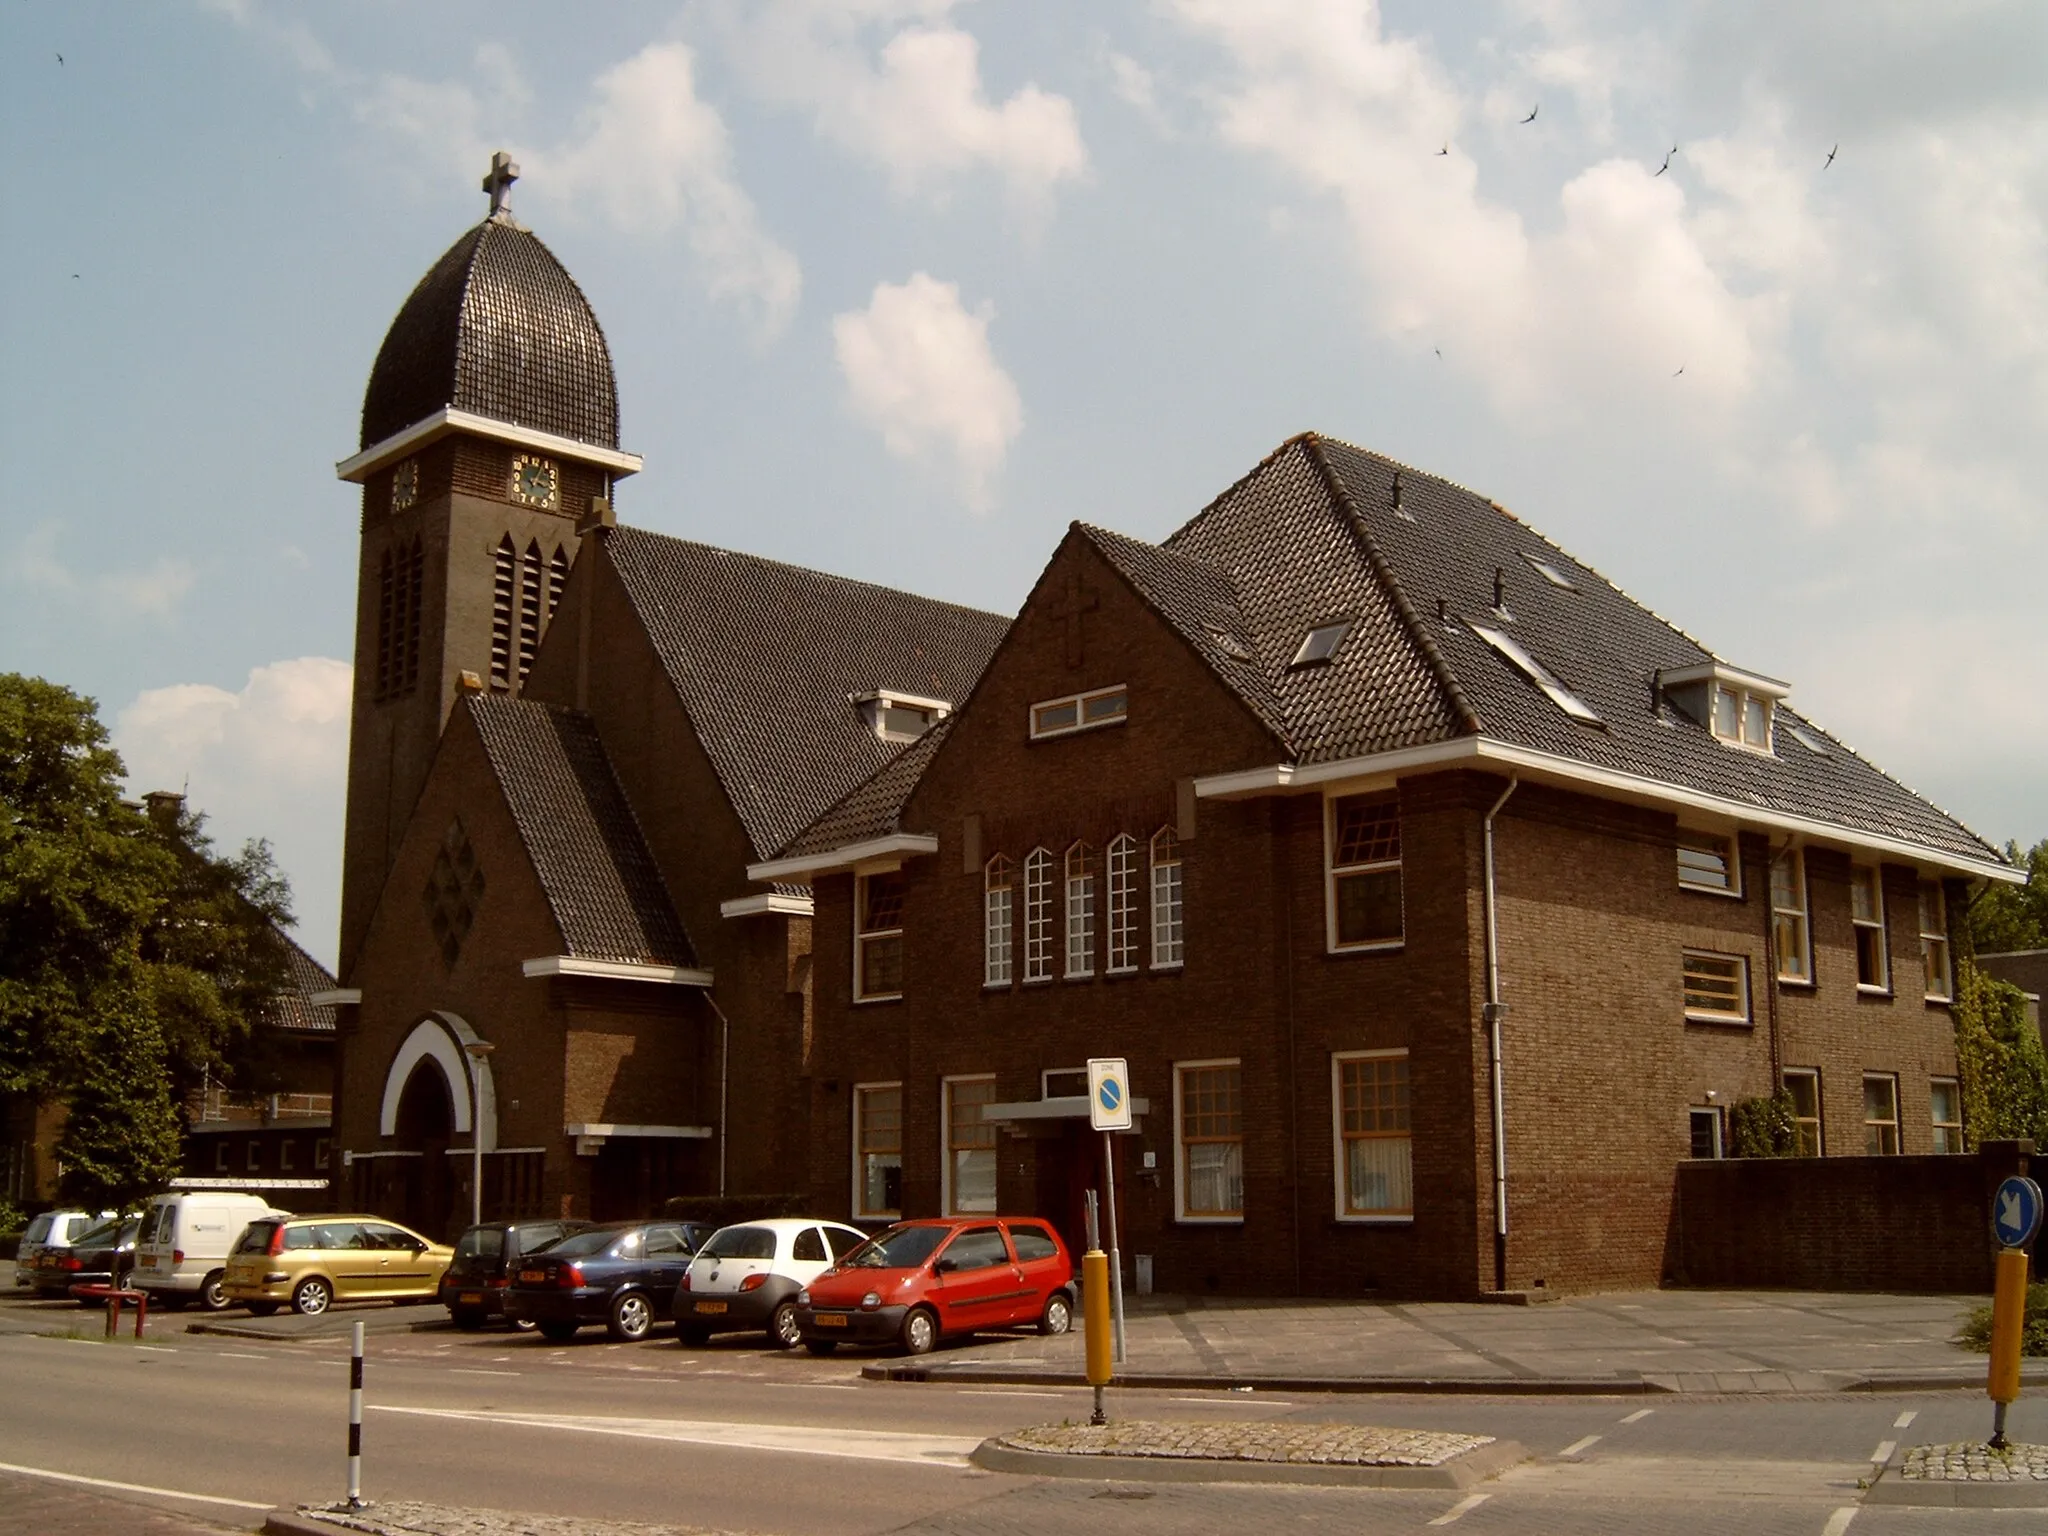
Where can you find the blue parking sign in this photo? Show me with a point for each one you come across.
(2016, 1212)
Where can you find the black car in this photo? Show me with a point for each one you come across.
(101, 1256)
(486, 1257)
(621, 1276)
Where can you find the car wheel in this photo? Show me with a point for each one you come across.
(312, 1296)
(468, 1319)
(262, 1308)
(1058, 1316)
(821, 1346)
(783, 1332)
(693, 1335)
(632, 1317)
(920, 1331)
(557, 1333)
(213, 1295)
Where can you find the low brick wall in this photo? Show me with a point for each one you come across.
(1839, 1223)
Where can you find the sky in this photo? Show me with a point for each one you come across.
(1745, 305)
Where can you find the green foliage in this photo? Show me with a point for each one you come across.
(1764, 1127)
(2008, 917)
(1998, 1055)
(1976, 1331)
(121, 1136)
(12, 1217)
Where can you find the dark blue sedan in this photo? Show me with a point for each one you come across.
(621, 1276)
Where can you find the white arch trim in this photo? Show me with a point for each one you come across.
(440, 1038)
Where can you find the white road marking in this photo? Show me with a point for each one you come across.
(1883, 1453)
(225, 1355)
(1579, 1445)
(157, 1349)
(1462, 1508)
(1905, 1420)
(1225, 1402)
(1020, 1392)
(165, 1493)
(1638, 1416)
(1838, 1522)
(470, 1370)
(795, 1439)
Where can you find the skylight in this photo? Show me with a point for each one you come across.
(1321, 643)
(1538, 674)
(1808, 740)
(1551, 573)
(1229, 644)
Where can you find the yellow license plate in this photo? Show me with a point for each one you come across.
(532, 1276)
(149, 1261)
(829, 1319)
(471, 1298)
(710, 1308)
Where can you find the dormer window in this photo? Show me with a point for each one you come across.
(1737, 707)
(900, 716)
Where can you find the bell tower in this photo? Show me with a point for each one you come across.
(490, 427)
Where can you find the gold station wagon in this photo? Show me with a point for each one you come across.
(311, 1262)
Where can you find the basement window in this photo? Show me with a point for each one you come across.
(1537, 673)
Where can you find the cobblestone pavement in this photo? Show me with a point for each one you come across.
(1318, 1444)
(413, 1519)
(1971, 1461)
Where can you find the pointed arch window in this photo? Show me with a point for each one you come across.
(504, 584)
(998, 895)
(1169, 923)
(1123, 904)
(1038, 915)
(530, 579)
(558, 578)
(1080, 912)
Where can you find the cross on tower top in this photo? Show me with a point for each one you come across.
(498, 182)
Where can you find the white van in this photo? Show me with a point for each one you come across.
(182, 1249)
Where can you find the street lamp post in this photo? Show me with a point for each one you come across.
(476, 1050)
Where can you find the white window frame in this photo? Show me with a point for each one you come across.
(947, 1201)
(1077, 868)
(284, 1155)
(1891, 1080)
(857, 1206)
(1794, 920)
(998, 923)
(1169, 902)
(1727, 845)
(1744, 699)
(1934, 943)
(1860, 925)
(1820, 1117)
(1120, 869)
(1333, 872)
(1716, 1015)
(1342, 1163)
(1950, 1131)
(1546, 681)
(1712, 1113)
(1081, 703)
(1037, 916)
(877, 703)
(1181, 1213)
(862, 937)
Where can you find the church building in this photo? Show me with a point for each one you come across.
(1441, 897)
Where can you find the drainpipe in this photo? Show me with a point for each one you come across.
(724, 1058)
(1492, 1014)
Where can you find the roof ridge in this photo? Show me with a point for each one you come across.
(1237, 485)
(1446, 679)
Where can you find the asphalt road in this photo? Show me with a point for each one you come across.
(738, 1438)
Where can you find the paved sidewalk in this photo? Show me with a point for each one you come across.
(1645, 1341)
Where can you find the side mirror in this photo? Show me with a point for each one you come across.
(945, 1266)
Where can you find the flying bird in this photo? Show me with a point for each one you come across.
(1681, 369)
(1831, 157)
(1532, 113)
(1446, 149)
(60, 58)
(1439, 353)
(1666, 165)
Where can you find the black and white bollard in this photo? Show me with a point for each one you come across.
(355, 1419)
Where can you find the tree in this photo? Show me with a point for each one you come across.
(2009, 917)
(1999, 1057)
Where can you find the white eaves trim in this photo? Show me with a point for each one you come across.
(767, 902)
(615, 970)
(335, 997)
(359, 467)
(659, 1132)
(1721, 672)
(1282, 777)
(895, 845)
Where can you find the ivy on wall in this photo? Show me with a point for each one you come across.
(1999, 1057)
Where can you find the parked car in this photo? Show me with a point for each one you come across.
(621, 1276)
(921, 1281)
(181, 1253)
(102, 1255)
(52, 1229)
(314, 1261)
(473, 1287)
(748, 1276)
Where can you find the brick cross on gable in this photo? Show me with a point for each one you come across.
(1078, 602)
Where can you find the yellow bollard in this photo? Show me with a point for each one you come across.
(1095, 1315)
(2008, 1320)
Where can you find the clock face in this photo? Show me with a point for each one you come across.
(405, 485)
(535, 481)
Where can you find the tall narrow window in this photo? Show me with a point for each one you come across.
(1168, 918)
(387, 625)
(878, 937)
(1209, 1120)
(503, 587)
(1866, 911)
(1080, 912)
(558, 578)
(1375, 1144)
(1038, 915)
(970, 1146)
(1790, 934)
(1123, 904)
(1880, 1115)
(530, 580)
(412, 592)
(1365, 871)
(1803, 1085)
(1705, 1127)
(1945, 1097)
(998, 898)
(877, 1151)
(1934, 941)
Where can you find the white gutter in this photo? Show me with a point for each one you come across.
(898, 845)
(615, 970)
(1492, 1014)
(335, 997)
(767, 902)
(360, 466)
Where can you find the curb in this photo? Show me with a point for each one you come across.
(290, 1522)
(1895, 1492)
(1470, 1468)
(1503, 1386)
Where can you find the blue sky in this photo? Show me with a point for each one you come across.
(897, 288)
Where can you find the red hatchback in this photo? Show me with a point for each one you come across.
(921, 1281)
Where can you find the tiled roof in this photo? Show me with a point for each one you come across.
(291, 1009)
(766, 658)
(873, 807)
(601, 882)
(499, 328)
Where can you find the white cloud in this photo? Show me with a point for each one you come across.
(919, 370)
(155, 591)
(917, 106)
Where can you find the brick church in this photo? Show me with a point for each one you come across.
(1442, 897)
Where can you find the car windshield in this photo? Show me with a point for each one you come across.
(897, 1248)
(481, 1242)
(101, 1236)
(741, 1243)
(584, 1243)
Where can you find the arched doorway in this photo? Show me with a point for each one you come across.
(426, 1125)
(427, 1113)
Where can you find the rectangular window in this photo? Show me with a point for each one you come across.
(1946, 1097)
(1803, 1084)
(255, 1155)
(1168, 919)
(970, 1146)
(1866, 912)
(877, 1151)
(1375, 1142)
(1080, 712)
(1790, 929)
(1880, 1115)
(1705, 1127)
(1934, 941)
(1707, 862)
(1123, 904)
(878, 937)
(1209, 1125)
(1716, 987)
(1742, 718)
(220, 1156)
(320, 1153)
(1365, 871)
(998, 895)
(1038, 915)
(1080, 912)
(284, 1155)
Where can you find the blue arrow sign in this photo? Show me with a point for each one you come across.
(2016, 1212)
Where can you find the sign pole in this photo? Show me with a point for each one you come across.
(355, 1417)
(1116, 1262)
(2015, 1218)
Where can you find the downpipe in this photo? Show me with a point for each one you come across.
(1491, 1013)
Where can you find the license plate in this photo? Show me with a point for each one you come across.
(149, 1261)
(708, 1308)
(532, 1276)
(829, 1319)
(471, 1298)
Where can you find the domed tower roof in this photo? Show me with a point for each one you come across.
(497, 328)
